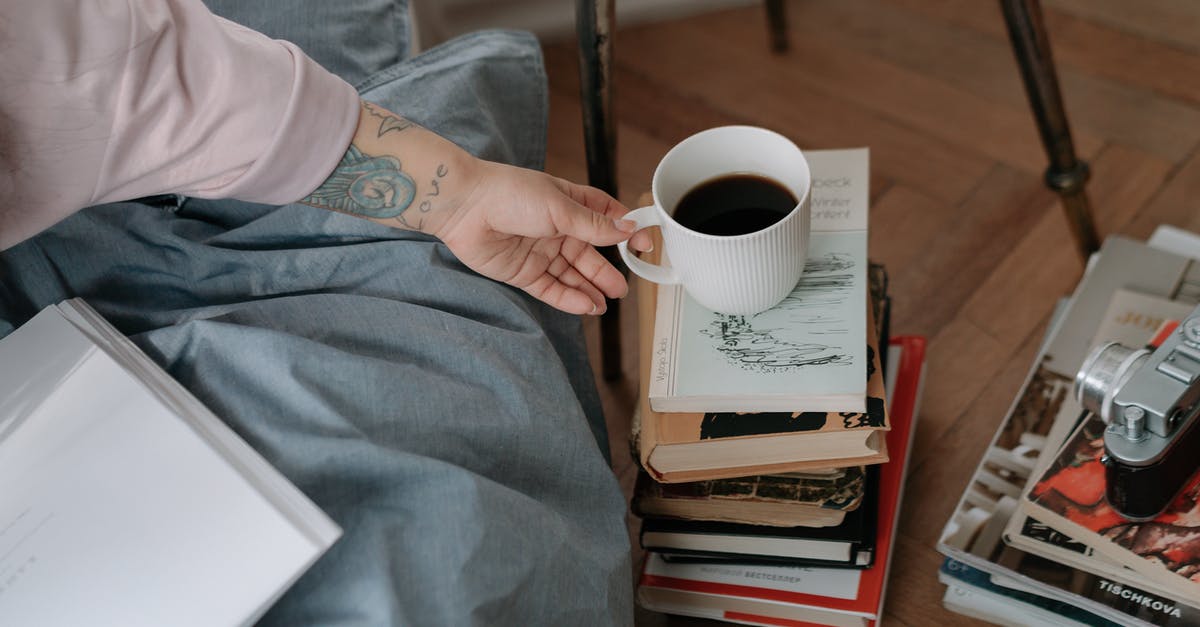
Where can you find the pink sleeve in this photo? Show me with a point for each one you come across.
(105, 100)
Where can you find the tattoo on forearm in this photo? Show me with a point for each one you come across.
(388, 122)
(435, 182)
(363, 185)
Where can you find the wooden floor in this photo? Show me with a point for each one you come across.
(976, 247)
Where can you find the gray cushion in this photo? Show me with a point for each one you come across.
(351, 38)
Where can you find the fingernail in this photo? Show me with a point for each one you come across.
(594, 309)
(626, 226)
(649, 248)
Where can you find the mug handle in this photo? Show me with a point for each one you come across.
(644, 217)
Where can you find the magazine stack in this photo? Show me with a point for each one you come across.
(1046, 532)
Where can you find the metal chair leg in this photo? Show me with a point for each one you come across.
(1067, 174)
(777, 25)
(594, 28)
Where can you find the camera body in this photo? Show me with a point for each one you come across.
(1151, 403)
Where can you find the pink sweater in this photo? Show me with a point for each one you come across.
(105, 100)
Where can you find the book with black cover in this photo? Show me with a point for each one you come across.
(852, 543)
(813, 499)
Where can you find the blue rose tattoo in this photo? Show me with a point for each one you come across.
(362, 185)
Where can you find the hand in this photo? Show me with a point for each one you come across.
(538, 232)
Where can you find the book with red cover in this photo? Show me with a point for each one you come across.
(786, 595)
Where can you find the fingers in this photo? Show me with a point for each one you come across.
(563, 287)
(577, 281)
(595, 269)
(642, 241)
(589, 214)
(593, 198)
(574, 300)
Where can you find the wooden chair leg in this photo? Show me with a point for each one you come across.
(594, 28)
(777, 25)
(1067, 174)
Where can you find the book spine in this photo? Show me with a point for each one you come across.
(665, 346)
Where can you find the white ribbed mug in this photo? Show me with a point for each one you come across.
(732, 274)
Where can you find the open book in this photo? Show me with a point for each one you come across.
(126, 502)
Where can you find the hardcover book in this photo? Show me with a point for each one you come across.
(851, 543)
(126, 502)
(697, 446)
(807, 353)
(760, 594)
(818, 499)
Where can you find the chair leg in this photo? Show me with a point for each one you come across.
(594, 28)
(777, 25)
(1066, 175)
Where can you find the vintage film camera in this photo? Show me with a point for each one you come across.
(1150, 403)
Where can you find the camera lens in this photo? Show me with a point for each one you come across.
(1104, 371)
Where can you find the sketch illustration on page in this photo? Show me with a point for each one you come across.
(757, 343)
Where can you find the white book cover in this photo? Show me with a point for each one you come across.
(809, 353)
(120, 510)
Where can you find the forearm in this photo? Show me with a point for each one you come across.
(520, 226)
(397, 173)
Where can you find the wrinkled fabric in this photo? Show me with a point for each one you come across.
(450, 424)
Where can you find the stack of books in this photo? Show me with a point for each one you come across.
(773, 447)
(1033, 539)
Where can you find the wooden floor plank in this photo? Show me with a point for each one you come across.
(1015, 296)
(957, 348)
(949, 268)
(1174, 22)
(1099, 106)
(904, 223)
(918, 100)
(1083, 44)
(1177, 203)
(768, 94)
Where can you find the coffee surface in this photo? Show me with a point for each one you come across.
(736, 204)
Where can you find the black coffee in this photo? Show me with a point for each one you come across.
(734, 205)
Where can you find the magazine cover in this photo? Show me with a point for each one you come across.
(1070, 498)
